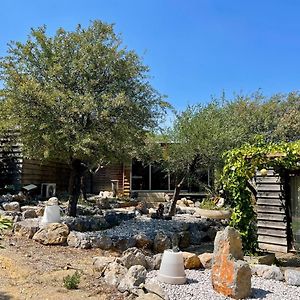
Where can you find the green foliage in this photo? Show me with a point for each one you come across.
(240, 167)
(77, 94)
(71, 282)
(5, 223)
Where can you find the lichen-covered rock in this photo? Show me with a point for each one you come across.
(206, 260)
(191, 260)
(231, 276)
(133, 256)
(26, 228)
(52, 234)
(135, 276)
(114, 273)
(161, 242)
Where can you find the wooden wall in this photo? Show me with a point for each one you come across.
(272, 212)
(101, 181)
(10, 163)
(37, 172)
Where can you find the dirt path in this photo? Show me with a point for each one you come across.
(29, 270)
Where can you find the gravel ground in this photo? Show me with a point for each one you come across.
(199, 287)
(151, 226)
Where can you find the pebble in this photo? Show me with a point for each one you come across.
(199, 286)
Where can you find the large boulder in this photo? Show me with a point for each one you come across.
(78, 240)
(11, 206)
(267, 272)
(123, 243)
(52, 234)
(114, 273)
(29, 214)
(26, 228)
(131, 257)
(135, 276)
(143, 241)
(292, 277)
(101, 241)
(100, 263)
(161, 242)
(231, 276)
(191, 260)
(206, 260)
(184, 239)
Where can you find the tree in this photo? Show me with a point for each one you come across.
(202, 133)
(80, 97)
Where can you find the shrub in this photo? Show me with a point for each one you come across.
(71, 282)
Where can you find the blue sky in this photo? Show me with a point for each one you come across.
(194, 48)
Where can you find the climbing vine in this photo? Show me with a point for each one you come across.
(240, 167)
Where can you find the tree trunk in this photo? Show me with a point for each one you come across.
(74, 186)
(175, 197)
(177, 190)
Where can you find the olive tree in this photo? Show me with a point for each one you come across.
(77, 96)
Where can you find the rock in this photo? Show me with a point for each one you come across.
(149, 296)
(39, 210)
(292, 277)
(100, 263)
(114, 273)
(29, 214)
(103, 242)
(135, 276)
(11, 206)
(206, 260)
(143, 241)
(231, 276)
(142, 208)
(26, 228)
(174, 239)
(197, 235)
(191, 260)
(161, 242)
(267, 259)
(154, 288)
(78, 240)
(6, 198)
(267, 272)
(131, 257)
(184, 239)
(157, 261)
(211, 233)
(52, 234)
(122, 243)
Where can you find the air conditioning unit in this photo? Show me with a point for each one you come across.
(48, 190)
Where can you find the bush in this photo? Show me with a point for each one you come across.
(71, 282)
(5, 223)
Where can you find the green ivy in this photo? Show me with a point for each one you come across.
(241, 165)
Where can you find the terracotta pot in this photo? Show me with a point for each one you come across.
(213, 214)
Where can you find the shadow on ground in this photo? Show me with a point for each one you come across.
(259, 293)
(5, 296)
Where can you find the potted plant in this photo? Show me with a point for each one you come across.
(213, 207)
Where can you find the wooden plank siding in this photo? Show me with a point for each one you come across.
(272, 223)
(10, 163)
(101, 181)
(37, 172)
